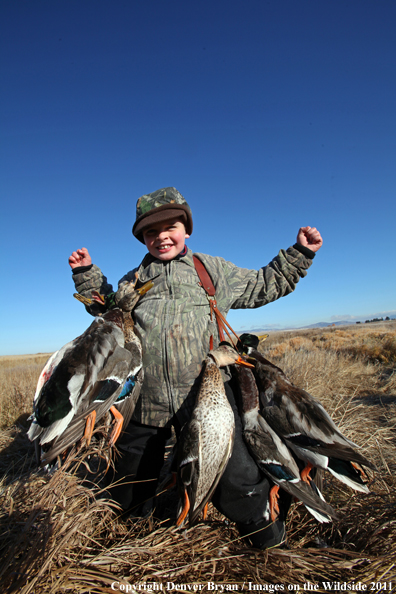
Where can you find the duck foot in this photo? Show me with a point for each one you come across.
(119, 419)
(205, 510)
(360, 470)
(273, 501)
(89, 427)
(304, 474)
(184, 511)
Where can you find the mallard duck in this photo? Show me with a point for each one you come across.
(206, 441)
(305, 426)
(272, 455)
(126, 299)
(85, 378)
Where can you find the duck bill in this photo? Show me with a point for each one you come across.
(84, 300)
(251, 359)
(96, 296)
(262, 337)
(243, 362)
(146, 287)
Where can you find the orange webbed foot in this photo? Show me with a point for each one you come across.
(205, 510)
(184, 511)
(360, 470)
(89, 427)
(273, 501)
(304, 474)
(118, 421)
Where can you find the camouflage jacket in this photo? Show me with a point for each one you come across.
(173, 319)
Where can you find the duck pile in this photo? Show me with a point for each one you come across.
(287, 429)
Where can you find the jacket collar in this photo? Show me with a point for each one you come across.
(151, 267)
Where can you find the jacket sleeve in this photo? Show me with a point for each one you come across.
(87, 279)
(252, 288)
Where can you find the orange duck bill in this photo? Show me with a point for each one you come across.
(243, 362)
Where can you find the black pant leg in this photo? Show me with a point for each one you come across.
(142, 450)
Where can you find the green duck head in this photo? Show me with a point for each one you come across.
(250, 341)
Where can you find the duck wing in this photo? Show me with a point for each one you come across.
(35, 429)
(105, 392)
(272, 455)
(306, 426)
(189, 462)
(129, 395)
(291, 407)
(276, 461)
(86, 371)
(194, 515)
(50, 366)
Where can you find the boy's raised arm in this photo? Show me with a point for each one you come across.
(255, 288)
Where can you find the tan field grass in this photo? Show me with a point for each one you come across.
(59, 533)
(18, 379)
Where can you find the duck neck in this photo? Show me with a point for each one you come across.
(249, 390)
(129, 332)
(212, 386)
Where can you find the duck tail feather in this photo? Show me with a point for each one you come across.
(355, 483)
(34, 431)
(320, 517)
(312, 498)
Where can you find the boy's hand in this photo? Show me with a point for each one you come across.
(80, 258)
(310, 238)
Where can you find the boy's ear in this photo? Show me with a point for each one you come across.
(186, 235)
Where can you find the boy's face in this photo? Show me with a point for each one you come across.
(165, 240)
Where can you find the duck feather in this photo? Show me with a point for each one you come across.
(271, 453)
(303, 423)
(88, 374)
(206, 441)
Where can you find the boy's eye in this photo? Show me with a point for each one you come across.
(152, 232)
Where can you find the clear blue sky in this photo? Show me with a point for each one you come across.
(265, 115)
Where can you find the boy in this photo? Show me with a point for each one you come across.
(173, 319)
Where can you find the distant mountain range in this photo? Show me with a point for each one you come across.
(317, 325)
(325, 324)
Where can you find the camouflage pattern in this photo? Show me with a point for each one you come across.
(159, 198)
(90, 280)
(173, 319)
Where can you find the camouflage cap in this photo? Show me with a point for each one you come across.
(159, 206)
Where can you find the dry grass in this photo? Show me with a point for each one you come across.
(18, 379)
(60, 534)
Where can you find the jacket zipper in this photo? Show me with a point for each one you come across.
(166, 340)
